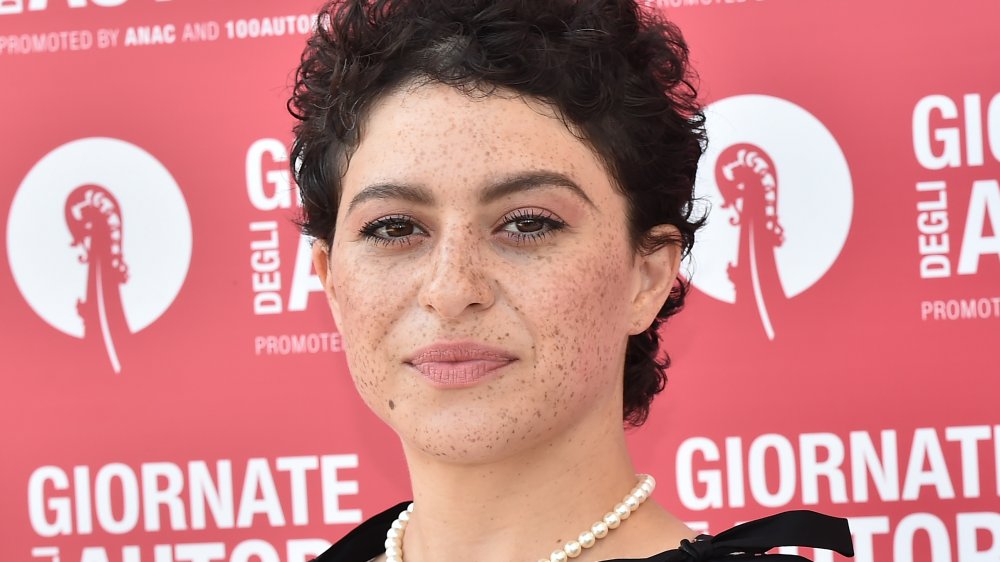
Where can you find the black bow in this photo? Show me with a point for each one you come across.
(751, 540)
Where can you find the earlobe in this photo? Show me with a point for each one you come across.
(655, 272)
(321, 263)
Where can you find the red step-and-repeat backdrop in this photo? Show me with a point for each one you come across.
(174, 390)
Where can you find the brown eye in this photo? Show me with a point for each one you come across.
(529, 225)
(396, 229)
(399, 228)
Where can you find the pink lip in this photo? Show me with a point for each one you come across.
(458, 364)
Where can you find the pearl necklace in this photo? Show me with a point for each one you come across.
(572, 549)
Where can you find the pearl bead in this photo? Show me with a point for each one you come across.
(572, 549)
(612, 519)
(623, 511)
(631, 503)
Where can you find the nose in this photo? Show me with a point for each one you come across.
(458, 279)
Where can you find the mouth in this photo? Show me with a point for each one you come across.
(459, 364)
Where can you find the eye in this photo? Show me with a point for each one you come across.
(530, 225)
(394, 229)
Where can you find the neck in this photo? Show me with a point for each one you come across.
(520, 507)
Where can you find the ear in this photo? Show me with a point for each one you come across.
(321, 263)
(655, 273)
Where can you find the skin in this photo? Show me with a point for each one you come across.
(542, 436)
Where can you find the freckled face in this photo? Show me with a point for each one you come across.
(459, 221)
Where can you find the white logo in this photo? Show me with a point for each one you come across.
(781, 198)
(99, 240)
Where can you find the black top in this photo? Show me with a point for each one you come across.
(747, 541)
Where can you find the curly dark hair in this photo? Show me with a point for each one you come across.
(617, 74)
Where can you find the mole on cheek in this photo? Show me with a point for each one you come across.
(392, 405)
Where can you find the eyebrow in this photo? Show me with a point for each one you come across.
(524, 181)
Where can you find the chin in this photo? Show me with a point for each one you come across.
(469, 449)
(470, 435)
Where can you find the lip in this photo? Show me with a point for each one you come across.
(459, 364)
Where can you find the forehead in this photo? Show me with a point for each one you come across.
(432, 133)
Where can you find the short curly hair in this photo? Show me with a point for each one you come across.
(617, 74)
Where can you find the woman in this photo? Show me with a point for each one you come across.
(500, 193)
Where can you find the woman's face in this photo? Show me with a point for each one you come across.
(482, 275)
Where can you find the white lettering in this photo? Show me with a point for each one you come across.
(984, 202)
(969, 437)
(203, 491)
(84, 519)
(258, 479)
(94, 554)
(865, 462)
(993, 126)
(937, 148)
(296, 468)
(278, 181)
(304, 279)
(710, 478)
(734, 469)
(258, 550)
(968, 527)
(863, 530)
(304, 550)
(199, 552)
(937, 533)
(265, 262)
(950, 155)
(926, 448)
(62, 523)
(169, 496)
(757, 470)
(129, 487)
(812, 468)
(333, 488)
(932, 223)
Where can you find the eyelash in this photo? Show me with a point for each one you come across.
(550, 224)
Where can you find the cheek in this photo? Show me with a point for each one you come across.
(372, 301)
(581, 315)
(370, 294)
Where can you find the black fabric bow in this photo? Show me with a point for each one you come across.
(751, 540)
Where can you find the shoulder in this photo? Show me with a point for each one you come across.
(364, 542)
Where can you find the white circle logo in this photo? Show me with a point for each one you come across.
(781, 198)
(99, 240)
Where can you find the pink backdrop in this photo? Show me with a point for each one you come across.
(838, 353)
